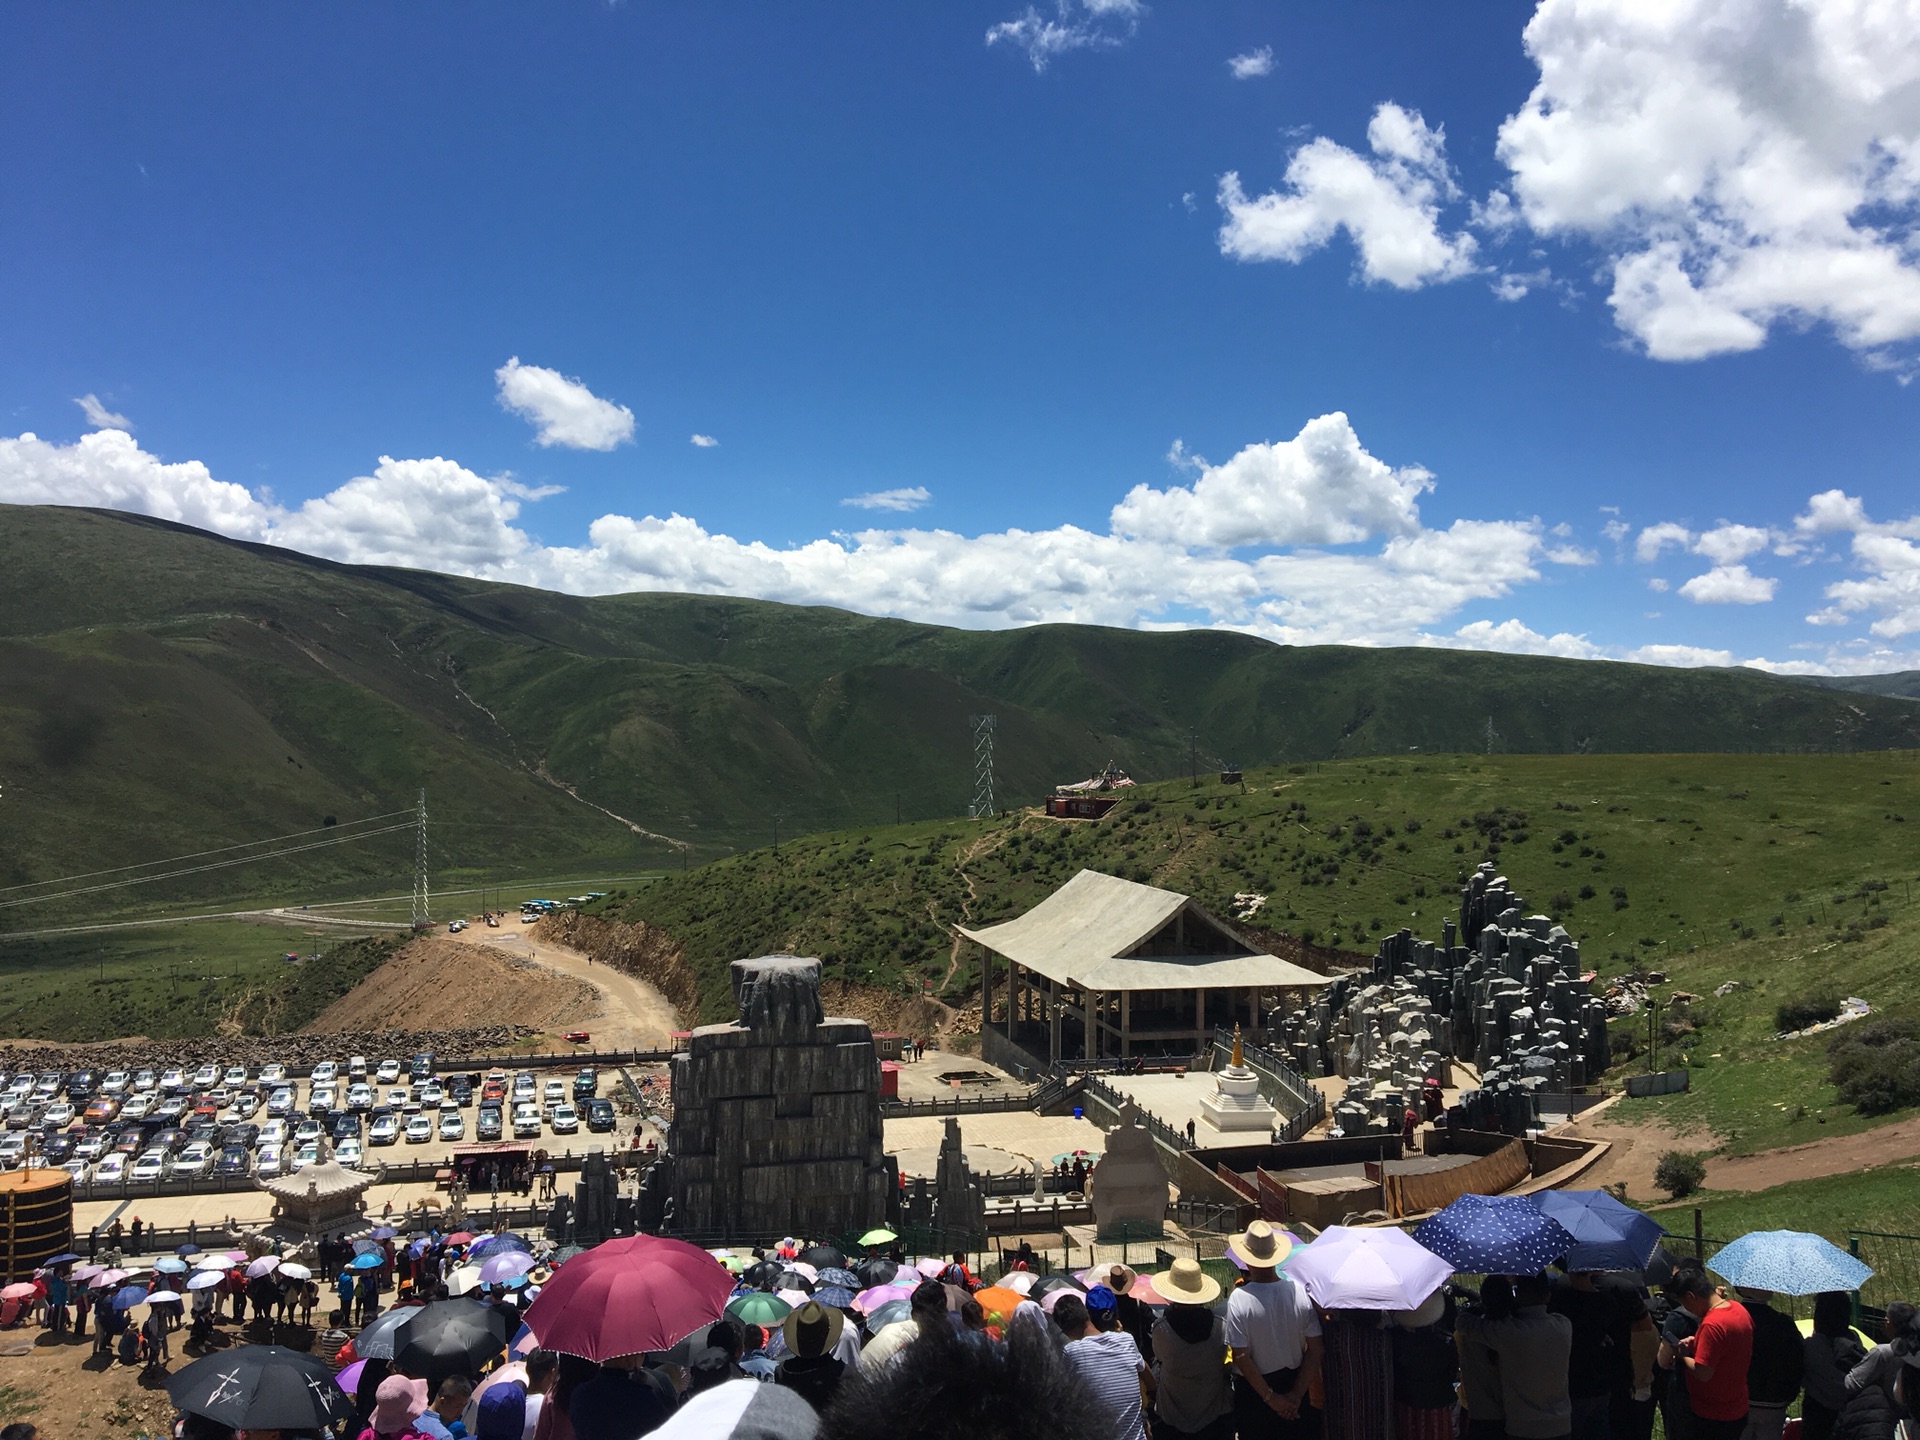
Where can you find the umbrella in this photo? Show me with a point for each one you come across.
(128, 1297)
(215, 1261)
(1019, 1281)
(112, 1277)
(887, 1314)
(233, 1256)
(464, 1278)
(1046, 1285)
(839, 1275)
(65, 1257)
(505, 1375)
(170, 1265)
(1494, 1235)
(1607, 1234)
(839, 1297)
(88, 1272)
(875, 1271)
(384, 1232)
(506, 1265)
(1348, 1268)
(495, 1244)
(204, 1280)
(460, 1237)
(930, 1266)
(295, 1272)
(364, 1246)
(376, 1340)
(801, 1267)
(265, 1265)
(761, 1272)
(880, 1236)
(886, 1341)
(1788, 1262)
(869, 1300)
(164, 1297)
(261, 1387)
(349, 1378)
(359, 1262)
(758, 1308)
(188, 1249)
(820, 1256)
(997, 1299)
(628, 1296)
(450, 1337)
(793, 1280)
(20, 1290)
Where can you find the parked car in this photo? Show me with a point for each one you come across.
(234, 1160)
(100, 1111)
(486, 1124)
(266, 1162)
(564, 1119)
(152, 1165)
(419, 1129)
(111, 1170)
(600, 1118)
(306, 1132)
(325, 1070)
(139, 1105)
(347, 1152)
(552, 1092)
(91, 1145)
(273, 1073)
(526, 1122)
(173, 1078)
(453, 1125)
(388, 1072)
(206, 1077)
(194, 1161)
(115, 1083)
(308, 1154)
(235, 1076)
(60, 1112)
(360, 1096)
(384, 1130)
(356, 1067)
(585, 1082)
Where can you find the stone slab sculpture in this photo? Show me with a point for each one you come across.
(959, 1205)
(1129, 1190)
(776, 1127)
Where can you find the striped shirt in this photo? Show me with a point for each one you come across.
(1108, 1364)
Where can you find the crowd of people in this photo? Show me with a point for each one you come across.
(1175, 1355)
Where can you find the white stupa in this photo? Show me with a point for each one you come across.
(1235, 1103)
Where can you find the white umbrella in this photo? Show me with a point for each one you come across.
(205, 1280)
(217, 1261)
(463, 1279)
(163, 1297)
(265, 1265)
(295, 1272)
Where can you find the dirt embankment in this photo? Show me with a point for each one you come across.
(643, 951)
(886, 1009)
(435, 983)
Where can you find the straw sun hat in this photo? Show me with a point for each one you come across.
(1185, 1283)
(1262, 1246)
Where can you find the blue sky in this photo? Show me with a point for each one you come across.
(1527, 327)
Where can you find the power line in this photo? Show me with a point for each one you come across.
(200, 869)
(197, 854)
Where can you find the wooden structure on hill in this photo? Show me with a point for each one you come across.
(1105, 967)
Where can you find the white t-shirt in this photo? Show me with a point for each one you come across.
(1108, 1362)
(1272, 1319)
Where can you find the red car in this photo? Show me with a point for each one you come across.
(578, 1037)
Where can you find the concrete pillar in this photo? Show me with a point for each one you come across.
(1053, 1021)
(1126, 1024)
(986, 987)
(1013, 995)
(1199, 1020)
(1092, 1001)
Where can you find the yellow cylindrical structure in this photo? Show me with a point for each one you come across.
(36, 1219)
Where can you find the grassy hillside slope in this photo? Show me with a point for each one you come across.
(171, 691)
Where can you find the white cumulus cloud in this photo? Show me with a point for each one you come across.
(704, 442)
(904, 497)
(1742, 163)
(1251, 64)
(1389, 203)
(562, 410)
(1072, 25)
(1729, 585)
(99, 416)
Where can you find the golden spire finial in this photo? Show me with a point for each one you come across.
(1237, 1062)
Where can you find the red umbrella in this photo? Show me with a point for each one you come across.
(625, 1297)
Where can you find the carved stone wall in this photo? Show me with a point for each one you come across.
(776, 1127)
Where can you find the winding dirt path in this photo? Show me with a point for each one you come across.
(631, 1014)
(1883, 1145)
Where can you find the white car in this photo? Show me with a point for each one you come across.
(235, 1077)
(267, 1159)
(77, 1168)
(195, 1160)
(20, 1085)
(452, 1127)
(139, 1105)
(360, 1096)
(419, 1129)
(308, 1154)
(173, 1078)
(60, 1112)
(13, 1147)
(245, 1104)
(274, 1132)
(116, 1083)
(90, 1146)
(347, 1152)
(357, 1067)
(171, 1108)
(306, 1131)
(48, 1083)
(145, 1080)
(388, 1072)
(323, 1096)
(326, 1070)
(526, 1122)
(384, 1130)
(281, 1101)
(273, 1074)
(553, 1092)
(432, 1092)
(398, 1096)
(150, 1166)
(206, 1077)
(524, 1087)
(111, 1170)
(564, 1119)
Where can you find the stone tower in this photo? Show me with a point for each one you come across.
(776, 1125)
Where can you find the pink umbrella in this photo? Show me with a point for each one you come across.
(628, 1296)
(112, 1277)
(931, 1266)
(795, 1298)
(868, 1301)
(513, 1370)
(21, 1290)
(811, 1272)
(88, 1272)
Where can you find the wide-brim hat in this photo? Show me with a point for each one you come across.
(1185, 1283)
(1261, 1246)
(1112, 1274)
(817, 1325)
(397, 1403)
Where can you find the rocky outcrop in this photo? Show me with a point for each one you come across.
(636, 948)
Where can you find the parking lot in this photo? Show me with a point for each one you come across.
(233, 1121)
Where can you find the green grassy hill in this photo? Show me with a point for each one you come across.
(168, 691)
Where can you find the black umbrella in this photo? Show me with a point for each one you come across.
(261, 1387)
(449, 1337)
(792, 1280)
(1055, 1282)
(822, 1256)
(760, 1274)
(875, 1271)
(840, 1275)
(376, 1340)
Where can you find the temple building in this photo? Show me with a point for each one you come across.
(1105, 967)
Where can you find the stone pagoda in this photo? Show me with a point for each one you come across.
(1235, 1104)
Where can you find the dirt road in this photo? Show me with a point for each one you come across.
(1884, 1145)
(631, 1014)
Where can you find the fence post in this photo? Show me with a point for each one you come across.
(1699, 1238)
(1853, 1249)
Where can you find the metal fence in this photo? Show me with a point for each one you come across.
(400, 1172)
(1160, 1130)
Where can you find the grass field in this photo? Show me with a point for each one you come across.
(1878, 1200)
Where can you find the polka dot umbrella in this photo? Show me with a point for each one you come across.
(1494, 1235)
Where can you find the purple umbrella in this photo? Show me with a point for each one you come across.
(1370, 1269)
(869, 1300)
(507, 1265)
(349, 1378)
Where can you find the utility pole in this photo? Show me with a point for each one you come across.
(1193, 758)
(983, 728)
(1490, 735)
(421, 920)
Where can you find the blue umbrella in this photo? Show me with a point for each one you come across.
(368, 1247)
(65, 1257)
(1607, 1235)
(188, 1249)
(1788, 1262)
(838, 1296)
(420, 1246)
(384, 1232)
(170, 1265)
(494, 1244)
(1494, 1235)
(367, 1262)
(129, 1296)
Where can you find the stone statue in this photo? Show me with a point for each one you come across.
(779, 996)
(959, 1204)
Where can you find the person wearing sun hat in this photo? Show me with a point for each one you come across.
(811, 1369)
(1194, 1398)
(1274, 1332)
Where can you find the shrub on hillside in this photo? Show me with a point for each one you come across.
(1875, 1065)
(1815, 1009)
(1679, 1173)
